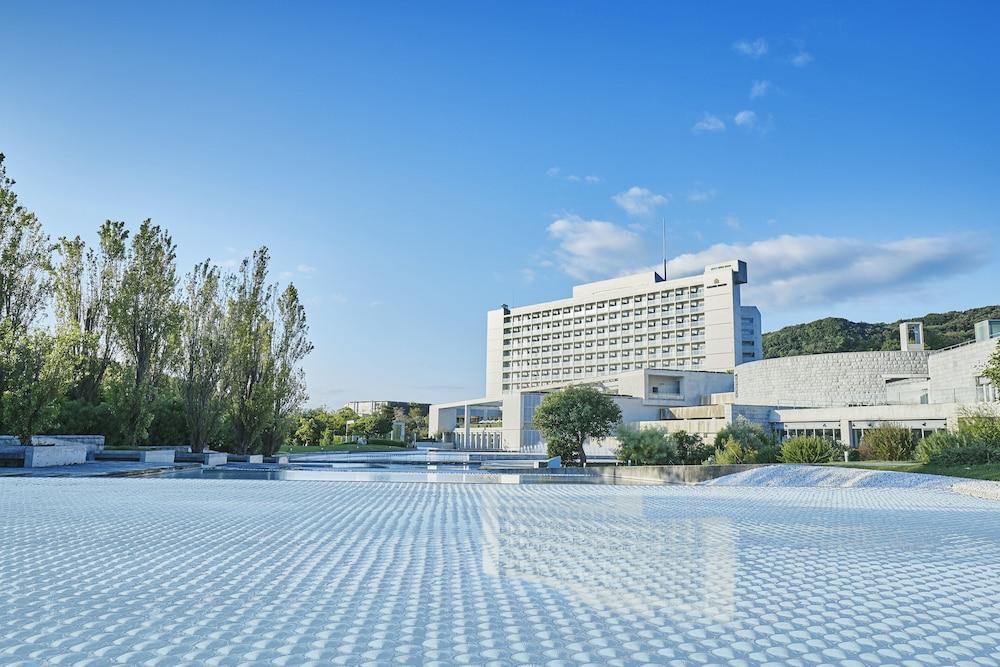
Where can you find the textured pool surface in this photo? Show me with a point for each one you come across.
(226, 572)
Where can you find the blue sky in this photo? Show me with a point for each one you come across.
(413, 165)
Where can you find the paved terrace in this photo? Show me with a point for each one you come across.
(225, 572)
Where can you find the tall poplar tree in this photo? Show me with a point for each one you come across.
(289, 346)
(145, 317)
(250, 366)
(204, 346)
(25, 275)
(86, 282)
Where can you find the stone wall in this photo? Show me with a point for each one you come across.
(955, 372)
(845, 378)
(94, 443)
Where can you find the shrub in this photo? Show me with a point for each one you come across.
(933, 444)
(945, 448)
(733, 452)
(769, 454)
(747, 434)
(887, 442)
(646, 447)
(691, 449)
(966, 452)
(808, 449)
(981, 423)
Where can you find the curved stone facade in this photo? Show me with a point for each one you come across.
(843, 378)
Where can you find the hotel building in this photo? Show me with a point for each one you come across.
(624, 324)
(685, 354)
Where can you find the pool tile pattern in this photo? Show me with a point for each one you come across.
(220, 572)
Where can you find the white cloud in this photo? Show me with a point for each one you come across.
(732, 222)
(745, 118)
(789, 272)
(305, 268)
(552, 171)
(698, 196)
(528, 275)
(760, 89)
(592, 179)
(709, 123)
(639, 201)
(801, 59)
(752, 49)
(589, 180)
(590, 248)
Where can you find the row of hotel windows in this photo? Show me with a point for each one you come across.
(679, 293)
(543, 376)
(530, 352)
(638, 352)
(601, 331)
(696, 307)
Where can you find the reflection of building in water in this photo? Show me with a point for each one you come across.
(661, 566)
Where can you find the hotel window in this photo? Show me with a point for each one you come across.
(613, 367)
(626, 367)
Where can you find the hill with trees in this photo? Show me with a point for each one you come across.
(836, 334)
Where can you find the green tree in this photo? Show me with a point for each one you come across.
(290, 346)
(85, 284)
(647, 446)
(310, 426)
(992, 369)
(38, 375)
(414, 420)
(571, 416)
(250, 365)
(365, 427)
(145, 318)
(25, 275)
(203, 346)
(382, 420)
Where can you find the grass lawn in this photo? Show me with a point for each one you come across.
(979, 471)
(346, 447)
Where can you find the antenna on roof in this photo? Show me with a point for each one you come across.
(664, 222)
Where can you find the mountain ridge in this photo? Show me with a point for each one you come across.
(837, 334)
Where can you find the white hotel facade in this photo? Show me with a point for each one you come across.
(624, 324)
(686, 354)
